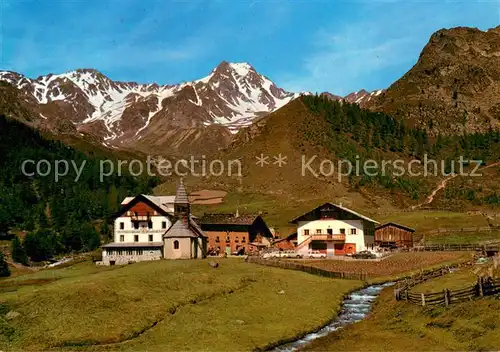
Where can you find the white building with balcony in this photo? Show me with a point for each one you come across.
(334, 230)
(144, 230)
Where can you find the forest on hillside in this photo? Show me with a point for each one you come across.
(374, 135)
(58, 215)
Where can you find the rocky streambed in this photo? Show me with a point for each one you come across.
(354, 308)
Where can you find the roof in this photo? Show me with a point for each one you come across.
(184, 228)
(341, 208)
(397, 225)
(153, 201)
(228, 219)
(166, 203)
(133, 244)
(181, 196)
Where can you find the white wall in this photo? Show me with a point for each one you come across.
(323, 224)
(125, 257)
(129, 232)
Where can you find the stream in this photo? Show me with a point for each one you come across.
(354, 308)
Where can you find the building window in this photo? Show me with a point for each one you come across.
(122, 238)
(150, 238)
(342, 231)
(228, 237)
(129, 252)
(150, 224)
(136, 238)
(329, 231)
(136, 225)
(236, 240)
(122, 226)
(217, 239)
(163, 224)
(318, 231)
(139, 252)
(306, 232)
(109, 251)
(353, 231)
(176, 244)
(244, 239)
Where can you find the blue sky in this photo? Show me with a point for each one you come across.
(335, 46)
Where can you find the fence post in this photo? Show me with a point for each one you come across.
(480, 285)
(406, 294)
(446, 297)
(423, 299)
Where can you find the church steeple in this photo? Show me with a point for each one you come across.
(181, 202)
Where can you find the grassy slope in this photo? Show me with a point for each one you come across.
(85, 305)
(454, 281)
(469, 192)
(423, 221)
(397, 326)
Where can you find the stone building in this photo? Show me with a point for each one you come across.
(235, 233)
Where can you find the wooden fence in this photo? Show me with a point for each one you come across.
(459, 247)
(483, 287)
(283, 264)
(460, 230)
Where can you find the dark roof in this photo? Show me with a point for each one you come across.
(228, 219)
(133, 244)
(338, 206)
(184, 228)
(181, 196)
(396, 225)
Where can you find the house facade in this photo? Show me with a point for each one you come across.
(149, 228)
(334, 230)
(230, 233)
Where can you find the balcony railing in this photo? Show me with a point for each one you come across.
(328, 237)
(141, 231)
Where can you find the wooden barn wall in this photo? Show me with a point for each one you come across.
(394, 234)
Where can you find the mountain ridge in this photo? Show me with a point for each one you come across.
(120, 113)
(454, 86)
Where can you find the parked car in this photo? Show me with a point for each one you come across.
(269, 255)
(290, 254)
(364, 255)
(316, 255)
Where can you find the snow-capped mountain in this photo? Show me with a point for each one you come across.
(182, 118)
(233, 95)
(361, 97)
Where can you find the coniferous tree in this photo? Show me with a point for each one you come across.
(4, 267)
(18, 252)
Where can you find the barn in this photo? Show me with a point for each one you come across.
(391, 234)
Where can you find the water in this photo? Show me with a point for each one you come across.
(355, 307)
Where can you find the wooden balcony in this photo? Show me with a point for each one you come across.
(139, 217)
(327, 237)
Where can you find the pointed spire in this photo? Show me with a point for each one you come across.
(181, 196)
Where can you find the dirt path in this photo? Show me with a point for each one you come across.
(442, 185)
